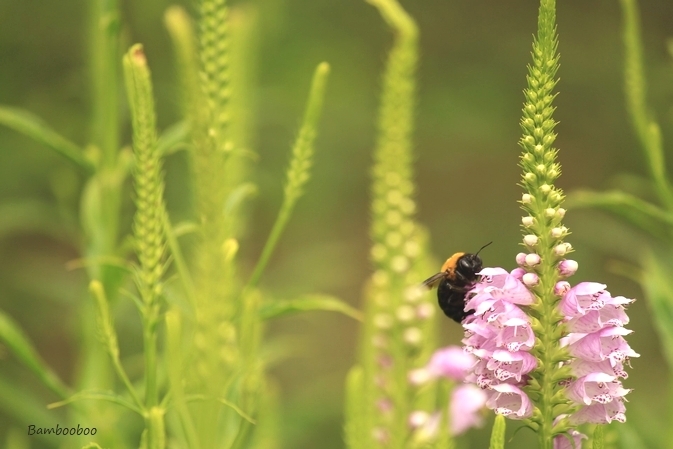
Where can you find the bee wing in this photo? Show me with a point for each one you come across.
(433, 280)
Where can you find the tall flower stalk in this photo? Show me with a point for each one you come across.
(549, 354)
(398, 330)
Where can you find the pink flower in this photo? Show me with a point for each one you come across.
(595, 323)
(572, 441)
(452, 362)
(500, 335)
(509, 400)
(466, 404)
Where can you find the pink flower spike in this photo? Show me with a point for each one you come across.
(452, 362)
(466, 403)
(509, 400)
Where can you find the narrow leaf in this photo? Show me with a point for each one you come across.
(171, 139)
(598, 437)
(498, 433)
(108, 396)
(18, 342)
(34, 127)
(658, 285)
(275, 309)
(646, 216)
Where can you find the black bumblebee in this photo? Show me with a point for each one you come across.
(457, 276)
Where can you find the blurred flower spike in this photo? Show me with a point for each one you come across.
(466, 401)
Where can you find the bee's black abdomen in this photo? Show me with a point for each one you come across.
(452, 301)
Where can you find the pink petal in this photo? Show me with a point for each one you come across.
(509, 400)
(466, 404)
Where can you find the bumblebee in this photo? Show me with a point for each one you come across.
(457, 276)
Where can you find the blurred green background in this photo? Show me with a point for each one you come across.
(472, 72)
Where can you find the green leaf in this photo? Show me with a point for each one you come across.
(31, 216)
(98, 395)
(498, 433)
(172, 139)
(646, 216)
(34, 127)
(274, 309)
(21, 404)
(598, 437)
(658, 285)
(18, 342)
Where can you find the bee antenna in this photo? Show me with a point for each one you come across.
(483, 248)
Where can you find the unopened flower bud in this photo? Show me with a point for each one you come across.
(561, 288)
(530, 240)
(539, 149)
(560, 212)
(541, 168)
(526, 198)
(521, 258)
(532, 259)
(557, 232)
(549, 212)
(530, 279)
(530, 177)
(527, 221)
(545, 188)
(562, 249)
(567, 267)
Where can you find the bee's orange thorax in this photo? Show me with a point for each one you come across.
(450, 264)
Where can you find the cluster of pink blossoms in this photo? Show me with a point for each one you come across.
(595, 321)
(499, 333)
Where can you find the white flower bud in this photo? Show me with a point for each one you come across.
(526, 198)
(530, 240)
(531, 279)
(532, 259)
(527, 221)
(545, 188)
(549, 212)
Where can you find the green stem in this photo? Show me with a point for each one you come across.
(298, 172)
